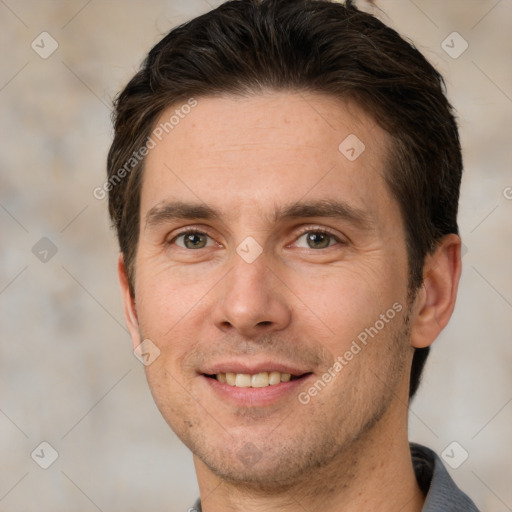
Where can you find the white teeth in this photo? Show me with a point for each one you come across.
(258, 380)
(274, 378)
(243, 380)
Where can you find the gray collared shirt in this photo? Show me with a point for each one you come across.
(442, 495)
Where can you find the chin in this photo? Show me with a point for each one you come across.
(273, 466)
(267, 477)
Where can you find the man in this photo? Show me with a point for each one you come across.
(284, 181)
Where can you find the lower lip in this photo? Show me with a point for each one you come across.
(255, 397)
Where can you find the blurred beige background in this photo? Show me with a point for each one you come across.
(67, 373)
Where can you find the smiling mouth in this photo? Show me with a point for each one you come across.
(256, 380)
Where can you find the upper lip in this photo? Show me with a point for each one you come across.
(253, 368)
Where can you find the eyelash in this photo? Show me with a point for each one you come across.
(189, 231)
(321, 231)
(308, 229)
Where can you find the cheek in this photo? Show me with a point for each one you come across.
(351, 291)
(350, 299)
(170, 313)
(166, 295)
(172, 394)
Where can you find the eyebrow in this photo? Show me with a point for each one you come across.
(327, 208)
(178, 210)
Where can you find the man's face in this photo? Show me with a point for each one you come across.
(267, 248)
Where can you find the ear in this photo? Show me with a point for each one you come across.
(435, 300)
(130, 311)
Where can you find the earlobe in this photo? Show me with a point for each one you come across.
(435, 301)
(130, 311)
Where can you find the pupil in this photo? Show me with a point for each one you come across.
(318, 240)
(194, 240)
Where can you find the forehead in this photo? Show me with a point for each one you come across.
(266, 149)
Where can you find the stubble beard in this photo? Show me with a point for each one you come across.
(331, 442)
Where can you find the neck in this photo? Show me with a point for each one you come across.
(374, 473)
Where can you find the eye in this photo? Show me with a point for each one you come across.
(193, 240)
(316, 240)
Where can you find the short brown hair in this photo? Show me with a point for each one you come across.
(247, 46)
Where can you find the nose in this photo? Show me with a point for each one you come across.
(251, 300)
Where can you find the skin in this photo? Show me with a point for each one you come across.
(248, 159)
